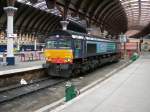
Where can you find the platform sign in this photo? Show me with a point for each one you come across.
(12, 35)
(123, 38)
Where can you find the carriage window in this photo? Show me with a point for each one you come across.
(77, 44)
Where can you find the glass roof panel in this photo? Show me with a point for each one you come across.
(41, 4)
(138, 11)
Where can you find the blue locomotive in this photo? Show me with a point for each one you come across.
(69, 53)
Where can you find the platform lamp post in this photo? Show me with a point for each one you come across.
(123, 40)
(140, 44)
(35, 41)
(64, 22)
(10, 10)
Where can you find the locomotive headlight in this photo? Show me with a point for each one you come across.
(67, 60)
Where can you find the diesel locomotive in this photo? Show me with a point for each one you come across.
(69, 53)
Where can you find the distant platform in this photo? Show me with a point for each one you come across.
(126, 91)
(21, 66)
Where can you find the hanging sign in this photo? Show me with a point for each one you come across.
(123, 38)
(12, 35)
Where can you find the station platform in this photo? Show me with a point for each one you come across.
(126, 91)
(21, 66)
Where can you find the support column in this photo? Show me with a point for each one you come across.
(89, 30)
(18, 44)
(64, 24)
(10, 10)
(35, 44)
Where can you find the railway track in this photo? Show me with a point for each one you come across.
(21, 90)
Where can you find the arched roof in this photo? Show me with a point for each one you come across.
(44, 15)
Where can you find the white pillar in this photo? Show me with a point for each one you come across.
(35, 43)
(10, 55)
(64, 24)
(18, 45)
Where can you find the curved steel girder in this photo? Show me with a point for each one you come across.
(109, 9)
(48, 22)
(55, 26)
(106, 21)
(110, 12)
(42, 26)
(86, 6)
(29, 19)
(94, 6)
(20, 21)
(115, 23)
(50, 3)
(49, 28)
(119, 23)
(118, 19)
(82, 4)
(113, 16)
(38, 22)
(35, 20)
(11, 2)
(101, 7)
(51, 23)
(104, 7)
(3, 20)
(19, 12)
(78, 4)
(1, 9)
(80, 12)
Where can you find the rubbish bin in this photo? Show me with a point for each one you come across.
(134, 57)
(1, 58)
(70, 91)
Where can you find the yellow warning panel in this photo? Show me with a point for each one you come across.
(58, 53)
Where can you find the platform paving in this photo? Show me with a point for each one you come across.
(21, 66)
(126, 91)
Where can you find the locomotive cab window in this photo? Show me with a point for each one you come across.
(59, 43)
(50, 44)
(64, 43)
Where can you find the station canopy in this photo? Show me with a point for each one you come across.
(108, 15)
(114, 16)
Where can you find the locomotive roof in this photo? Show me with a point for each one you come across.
(78, 35)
